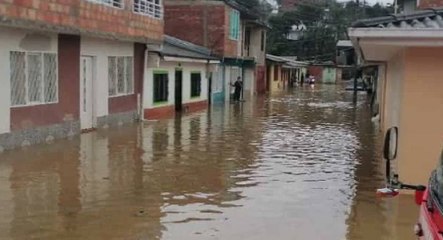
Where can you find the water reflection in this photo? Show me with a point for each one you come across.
(287, 167)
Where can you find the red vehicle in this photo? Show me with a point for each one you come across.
(430, 199)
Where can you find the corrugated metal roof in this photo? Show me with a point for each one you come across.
(287, 61)
(274, 58)
(432, 18)
(180, 48)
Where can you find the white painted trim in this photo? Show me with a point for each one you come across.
(189, 60)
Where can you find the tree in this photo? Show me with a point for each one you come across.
(326, 23)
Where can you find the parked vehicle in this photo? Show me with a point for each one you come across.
(429, 199)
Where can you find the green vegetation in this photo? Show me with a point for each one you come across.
(326, 23)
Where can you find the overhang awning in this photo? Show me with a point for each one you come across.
(379, 39)
(190, 60)
(379, 44)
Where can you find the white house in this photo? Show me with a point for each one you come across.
(177, 79)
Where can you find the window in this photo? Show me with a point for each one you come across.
(151, 8)
(120, 77)
(111, 3)
(263, 40)
(160, 87)
(234, 25)
(195, 84)
(33, 78)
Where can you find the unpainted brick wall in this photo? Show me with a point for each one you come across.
(84, 15)
(187, 22)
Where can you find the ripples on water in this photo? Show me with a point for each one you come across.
(294, 166)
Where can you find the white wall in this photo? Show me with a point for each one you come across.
(170, 67)
(394, 89)
(17, 40)
(249, 83)
(101, 49)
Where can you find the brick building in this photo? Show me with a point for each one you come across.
(231, 32)
(69, 65)
(409, 6)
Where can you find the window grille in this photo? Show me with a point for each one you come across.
(111, 3)
(33, 78)
(195, 84)
(151, 8)
(160, 87)
(120, 76)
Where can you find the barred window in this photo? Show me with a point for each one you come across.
(120, 76)
(33, 78)
(111, 3)
(195, 84)
(160, 87)
(151, 8)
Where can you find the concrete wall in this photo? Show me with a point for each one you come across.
(421, 128)
(82, 16)
(329, 75)
(154, 110)
(249, 84)
(100, 50)
(275, 81)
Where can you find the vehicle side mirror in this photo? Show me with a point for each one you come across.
(391, 143)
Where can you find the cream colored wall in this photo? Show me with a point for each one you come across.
(421, 119)
(276, 85)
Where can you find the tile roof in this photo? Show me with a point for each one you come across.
(431, 18)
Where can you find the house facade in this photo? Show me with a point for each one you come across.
(407, 50)
(284, 72)
(177, 79)
(231, 32)
(69, 66)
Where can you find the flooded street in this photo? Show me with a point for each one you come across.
(300, 165)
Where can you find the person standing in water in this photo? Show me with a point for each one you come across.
(238, 87)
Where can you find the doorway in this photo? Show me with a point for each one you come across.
(86, 101)
(210, 88)
(178, 90)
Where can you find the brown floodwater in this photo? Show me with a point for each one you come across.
(299, 165)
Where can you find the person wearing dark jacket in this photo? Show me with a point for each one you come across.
(238, 87)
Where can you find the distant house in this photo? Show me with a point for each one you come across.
(345, 60)
(283, 72)
(407, 49)
(178, 79)
(232, 32)
(323, 72)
